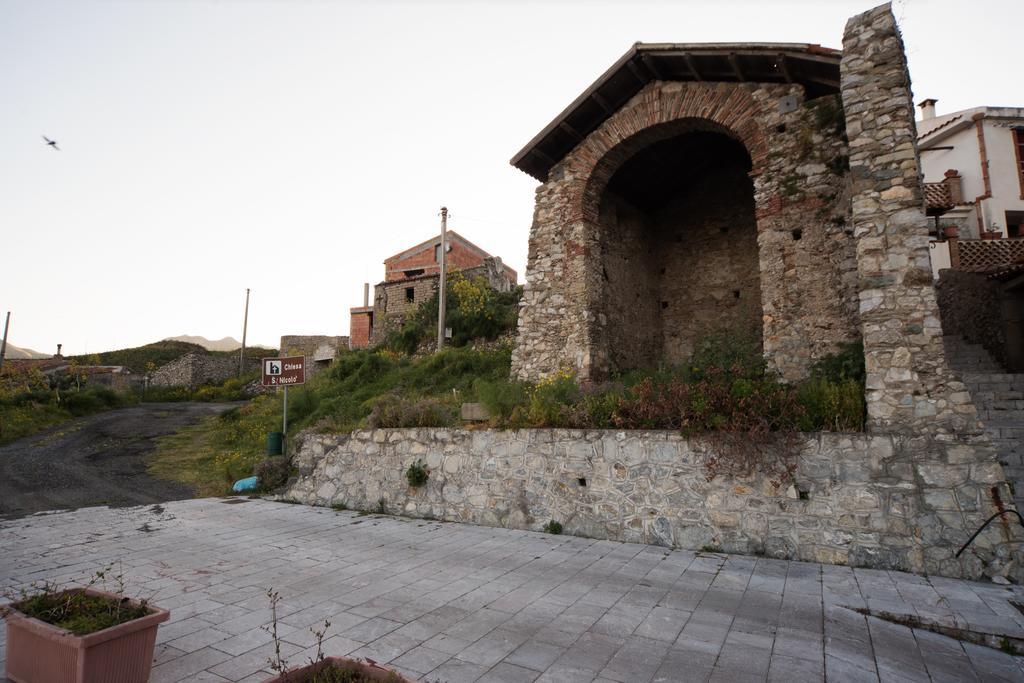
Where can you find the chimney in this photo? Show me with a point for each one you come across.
(955, 184)
(58, 351)
(927, 109)
(366, 294)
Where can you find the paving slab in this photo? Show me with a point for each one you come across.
(452, 602)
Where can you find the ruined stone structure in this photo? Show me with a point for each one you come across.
(195, 369)
(698, 206)
(410, 278)
(319, 350)
(766, 190)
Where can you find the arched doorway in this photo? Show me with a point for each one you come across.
(678, 251)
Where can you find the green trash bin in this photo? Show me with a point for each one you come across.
(275, 443)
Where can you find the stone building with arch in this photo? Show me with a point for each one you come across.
(775, 191)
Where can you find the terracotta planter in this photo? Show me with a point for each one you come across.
(368, 668)
(38, 652)
(950, 231)
(991, 235)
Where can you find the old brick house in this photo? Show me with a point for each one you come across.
(410, 278)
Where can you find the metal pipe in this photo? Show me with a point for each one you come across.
(987, 521)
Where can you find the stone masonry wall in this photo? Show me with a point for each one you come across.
(909, 384)
(195, 369)
(859, 507)
(805, 249)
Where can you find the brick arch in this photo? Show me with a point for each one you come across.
(660, 112)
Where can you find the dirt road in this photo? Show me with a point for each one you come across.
(96, 460)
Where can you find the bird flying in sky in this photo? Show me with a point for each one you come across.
(51, 143)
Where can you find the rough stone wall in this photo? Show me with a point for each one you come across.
(971, 306)
(710, 280)
(909, 385)
(808, 290)
(630, 266)
(319, 350)
(858, 506)
(680, 271)
(195, 369)
(910, 388)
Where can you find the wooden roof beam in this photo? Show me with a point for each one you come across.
(692, 66)
(784, 67)
(575, 134)
(602, 102)
(735, 64)
(651, 67)
(637, 74)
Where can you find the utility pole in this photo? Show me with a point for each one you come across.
(441, 280)
(3, 348)
(245, 328)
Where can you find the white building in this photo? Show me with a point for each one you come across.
(985, 148)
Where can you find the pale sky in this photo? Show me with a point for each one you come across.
(290, 147)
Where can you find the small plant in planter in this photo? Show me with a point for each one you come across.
(80, 634)
(417, 474)
(322, 669)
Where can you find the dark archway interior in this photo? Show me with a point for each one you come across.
(679, 256)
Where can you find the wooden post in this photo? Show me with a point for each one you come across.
(3, 347)
(245, 328)
(441, 279)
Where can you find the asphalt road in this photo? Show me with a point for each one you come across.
(95, 460)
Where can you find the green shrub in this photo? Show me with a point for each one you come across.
(394, 411)
(831, 405)
(273, 473)
(847, 363)
(472, 310)
(553, 527)
(500, 397)
(417, 474)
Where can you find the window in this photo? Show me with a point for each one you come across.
(437, 253)
(1015, 223)
(410, 294)
(1018, 148)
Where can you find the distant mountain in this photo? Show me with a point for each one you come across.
(225, 344)
(20, 353)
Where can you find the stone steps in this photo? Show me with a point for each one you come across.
(999, 398)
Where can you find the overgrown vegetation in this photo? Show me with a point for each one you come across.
(724, 395)
(553, 527)
(218, 451)
(31, 401)
(473, 310)
(231, 389)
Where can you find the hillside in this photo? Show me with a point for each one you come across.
(136, 359)
(19, 353)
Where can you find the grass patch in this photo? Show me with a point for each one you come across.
(202, 456)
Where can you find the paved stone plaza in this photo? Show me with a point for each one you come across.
(452, 602)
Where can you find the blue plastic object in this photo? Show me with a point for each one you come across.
(247, 484)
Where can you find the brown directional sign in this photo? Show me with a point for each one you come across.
(284, 372)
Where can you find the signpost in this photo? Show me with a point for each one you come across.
(284, 372)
